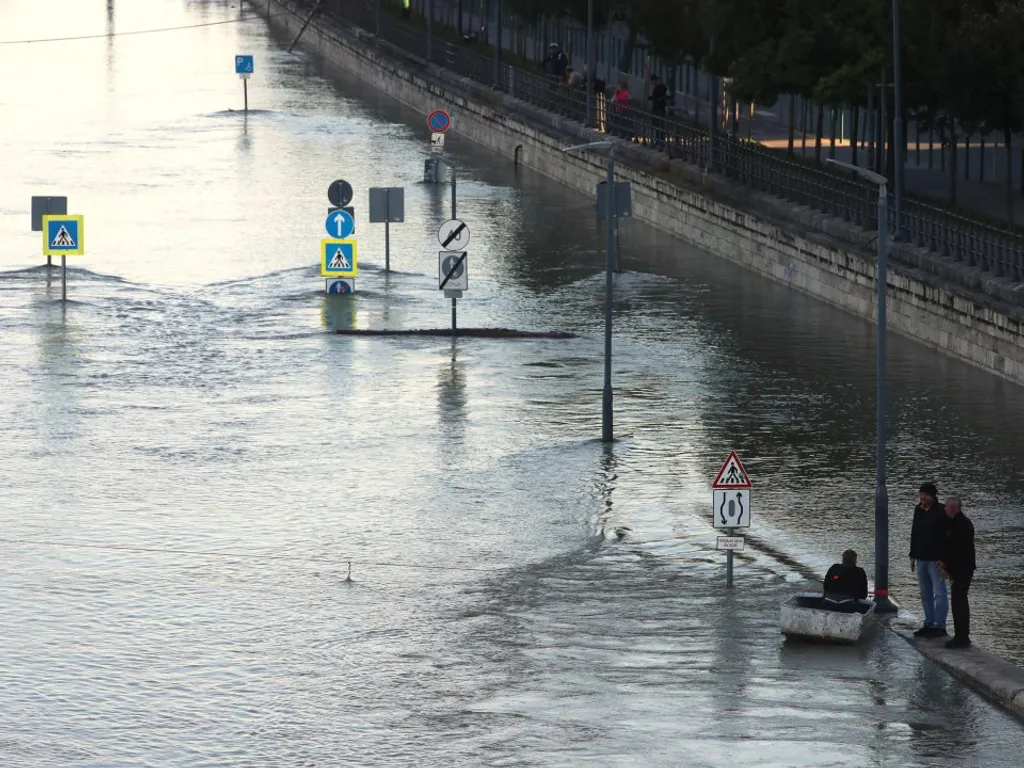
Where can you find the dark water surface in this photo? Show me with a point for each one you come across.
(190, 398)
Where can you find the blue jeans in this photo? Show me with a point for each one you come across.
(933, 594)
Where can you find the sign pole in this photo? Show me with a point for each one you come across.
(63, 278)
(245, 93)
(455, 327)
(387, 227)
(728, 561)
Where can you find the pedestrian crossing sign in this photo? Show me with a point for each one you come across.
(338, 258)
(63, 235)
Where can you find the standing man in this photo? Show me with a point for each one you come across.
(958, 563)
(556, 62)
(927, 538)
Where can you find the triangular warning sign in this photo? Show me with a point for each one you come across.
(338, 261)
(732, 474)
(63, 239)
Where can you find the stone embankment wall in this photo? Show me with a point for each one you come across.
(812, 253)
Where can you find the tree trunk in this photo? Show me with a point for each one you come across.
(952, 164)
(803, 128)
(832, 133)
(1008, 139)
(819, 131)
(854, 134)
(626, 59)
(869, 128)
(792, 121)
(890, 156)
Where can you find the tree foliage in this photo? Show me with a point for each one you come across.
(963, 61)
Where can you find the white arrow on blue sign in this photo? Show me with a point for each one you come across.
(340, 225)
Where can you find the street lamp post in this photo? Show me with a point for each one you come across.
(882, 602)
(590, 64)
(497, 47)
(899, 141)
(430, 30)
(609, 266)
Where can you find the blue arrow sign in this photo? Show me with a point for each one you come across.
(243, 65)
(340, 225)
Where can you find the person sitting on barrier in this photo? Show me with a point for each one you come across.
(573, 79)
(846, 580)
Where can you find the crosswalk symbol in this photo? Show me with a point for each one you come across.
(338, 258)
(63, 235)
(63, 239)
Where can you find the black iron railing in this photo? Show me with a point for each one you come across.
(955, 236)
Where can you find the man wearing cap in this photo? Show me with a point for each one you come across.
(556, 62)
(927, 539)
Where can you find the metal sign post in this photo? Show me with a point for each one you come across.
(387, 204)
(339, 254)
(63, 235)
(730, 509)
(244, 69)
(46, 206)
(453, 271)
(728, 562)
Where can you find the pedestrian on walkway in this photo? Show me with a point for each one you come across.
(556, 62)
(659, 96)
(620, 103)
(846, 580)
(927, 538)
(958, 563)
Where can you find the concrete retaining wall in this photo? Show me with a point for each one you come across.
(819, 256)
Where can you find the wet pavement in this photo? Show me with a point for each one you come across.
(192, 458)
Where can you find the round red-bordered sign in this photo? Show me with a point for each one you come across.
(439, 121)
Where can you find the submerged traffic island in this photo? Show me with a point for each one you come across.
(477, 333)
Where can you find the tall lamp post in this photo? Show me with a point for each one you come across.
(608, 148)
(882, 602)
(590, 65)
(899, 142)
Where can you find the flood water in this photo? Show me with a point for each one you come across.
(191, 459)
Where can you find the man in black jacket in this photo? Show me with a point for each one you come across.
(846, 580)
(927, 537)
(959, 564)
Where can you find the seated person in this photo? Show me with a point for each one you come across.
(846, 580)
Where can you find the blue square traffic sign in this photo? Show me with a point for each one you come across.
(243, 65)
(338, 258)
(63, 235)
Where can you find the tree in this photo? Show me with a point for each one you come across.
(993, 31)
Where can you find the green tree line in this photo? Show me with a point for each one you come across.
(962, 60)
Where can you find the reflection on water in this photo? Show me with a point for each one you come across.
(522, 594)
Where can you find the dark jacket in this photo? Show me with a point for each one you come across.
(659, 98)
(846, 580)
(958, 552)
(556, 63)
(928, 532)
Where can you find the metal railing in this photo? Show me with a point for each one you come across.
(955, 236)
